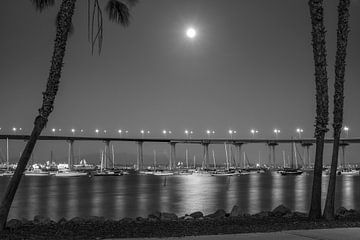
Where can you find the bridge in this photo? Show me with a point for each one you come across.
(205, 142)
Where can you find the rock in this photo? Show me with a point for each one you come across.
(218, 214)
(341, 211)
(77, 220)
(281, 210)
(236, 212)
(62, 221)
(188, 218)
(25, 221)
(300, 214)
(288, 215)
(196, 215)
(14, 223)
(168, 216)
(95, 219)
(155, 215)
(126, 220)
(262, 214)
(42, 220)
(140, 219)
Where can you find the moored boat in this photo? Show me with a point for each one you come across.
(70, 174)
(290, 171)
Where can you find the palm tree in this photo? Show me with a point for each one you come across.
(322, 101)
(119, 12)
(342, 39)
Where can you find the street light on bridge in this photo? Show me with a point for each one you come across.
(299, 131)
(97, 132)
(142, 133)
(73, 131)
(276, 131)
(346, 129)
(231, 132)
(253, 131)
(53, 131)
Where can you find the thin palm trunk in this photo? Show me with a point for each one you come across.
(63, 26)
(342, 39)
(322, 102)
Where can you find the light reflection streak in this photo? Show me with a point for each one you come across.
(277, 190)
(348, 191)
(254, 193)
(96, 196)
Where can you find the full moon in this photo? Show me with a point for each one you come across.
(190, 32)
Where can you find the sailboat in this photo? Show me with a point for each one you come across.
(7, 172)
(292, 170)
(69, 172)
(105, 172)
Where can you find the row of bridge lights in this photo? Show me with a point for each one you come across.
(188, 133)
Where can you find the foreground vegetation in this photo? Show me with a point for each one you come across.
(169, 225)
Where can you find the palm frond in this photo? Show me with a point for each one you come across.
(42, 4)
(118, 12)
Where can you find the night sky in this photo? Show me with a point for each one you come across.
(250, 66)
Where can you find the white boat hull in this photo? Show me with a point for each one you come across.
(70, 174)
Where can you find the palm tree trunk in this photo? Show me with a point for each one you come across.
(322, 101)
(63, 26)
(342, 38)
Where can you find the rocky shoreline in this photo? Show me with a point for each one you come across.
(165, 224)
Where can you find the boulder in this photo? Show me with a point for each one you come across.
(196, 215)
(140, 219)
(77, 220)
(155, 215)
(95, 219)
(14, 223)
(218, 214)
(188, 218)
(126, 220)
(262, 214)
(288, 215)
(300, 214)
(62, 221)
(168, 216)
(236, 212)
(281, 210)
(25, 221)
(42, 220)
(341, 211)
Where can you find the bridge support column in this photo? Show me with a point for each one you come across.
(107, 155)
(238, 154)
(307, 146)
(71, 154)
(272, 157)
(172, 160)
(206, 155)
(140, 156)
(343, 150)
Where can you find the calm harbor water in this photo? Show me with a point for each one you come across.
(136, 195)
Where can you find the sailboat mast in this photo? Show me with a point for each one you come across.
(113, 156)
(187, 158)
(295, 155)
(284, 158)
(259, 159)
(194, 162)
(154, 160)
(213, 154)
(292, 155)
(226, 157)
(102, 161)
(7, 154)
(244, 159)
